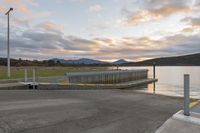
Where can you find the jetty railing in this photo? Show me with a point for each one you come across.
(107, 77)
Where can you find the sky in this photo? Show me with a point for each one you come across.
(106, 30)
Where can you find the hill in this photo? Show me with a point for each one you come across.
(185, 60)
(83, 61)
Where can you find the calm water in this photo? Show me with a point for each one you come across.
(170, 80)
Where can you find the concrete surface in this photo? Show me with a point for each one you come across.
(179, 123)
(84, 111)
(12, 86)
(56, 86)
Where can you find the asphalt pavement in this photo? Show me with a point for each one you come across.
(84, 111)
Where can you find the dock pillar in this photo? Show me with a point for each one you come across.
(187, 94)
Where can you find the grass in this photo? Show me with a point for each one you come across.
(18, 72)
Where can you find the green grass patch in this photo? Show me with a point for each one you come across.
(18, 72)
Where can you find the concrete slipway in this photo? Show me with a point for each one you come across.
(84, 111)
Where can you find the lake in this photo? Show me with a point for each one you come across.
(170, 80)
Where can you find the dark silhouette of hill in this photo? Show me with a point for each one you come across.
(185, 60)
(84, 61)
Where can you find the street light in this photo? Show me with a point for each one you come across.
(8, 43)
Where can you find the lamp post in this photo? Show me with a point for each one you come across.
(8, 43)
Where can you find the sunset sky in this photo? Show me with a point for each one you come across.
(100, 29)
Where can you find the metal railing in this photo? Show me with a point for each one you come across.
(107, 77)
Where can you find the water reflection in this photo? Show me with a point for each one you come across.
(170, 80)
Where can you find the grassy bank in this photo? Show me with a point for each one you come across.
(18, 72)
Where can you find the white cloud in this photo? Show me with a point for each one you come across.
(95, 8)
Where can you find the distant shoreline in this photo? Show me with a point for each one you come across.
(185, 60)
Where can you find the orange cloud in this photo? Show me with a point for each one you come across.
(169, 10)
(50, 26)
(155, 13)
(12, 1)
(141, 16)
(21, 21)
(25, 10)
(187, 30)
(2, 9)
(21, 7)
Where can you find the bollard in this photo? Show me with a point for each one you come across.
(33, 79)
(187, 95)
(25, 75)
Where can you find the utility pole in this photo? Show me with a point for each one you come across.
(8, 43)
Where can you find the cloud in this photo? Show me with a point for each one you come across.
(50, 26)
(32, 2)
(46, 39)
(156, 10)
(181, 44)
(55, 40)
(187, 30)
(95, 8)
(21, 7)
(21, 22)
(2, 9)
(192, 23)
(134, 48)
(49, 44)
(63, 1)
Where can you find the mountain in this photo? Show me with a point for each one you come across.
(119, 62)
(184, 60)
(84, 61)
(87, 61)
